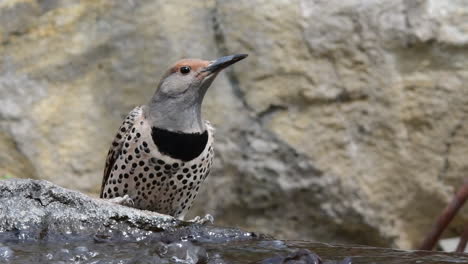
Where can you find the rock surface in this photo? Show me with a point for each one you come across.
(33, 210)
(43, 223)
(346, 123)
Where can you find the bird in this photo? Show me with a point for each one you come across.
(163, 151)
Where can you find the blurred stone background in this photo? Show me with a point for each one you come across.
(347, 123)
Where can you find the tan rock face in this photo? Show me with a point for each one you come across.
(346, 123)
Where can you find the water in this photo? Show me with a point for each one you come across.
(62, 226)
(260, 250)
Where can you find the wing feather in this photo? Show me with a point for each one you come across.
(116, 146)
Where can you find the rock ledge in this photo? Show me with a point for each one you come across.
(40, 210)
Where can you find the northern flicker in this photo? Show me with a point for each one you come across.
(163, 151)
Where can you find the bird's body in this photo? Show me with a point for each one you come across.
(163, 151)
(165, 179)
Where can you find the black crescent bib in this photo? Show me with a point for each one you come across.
(177, 145)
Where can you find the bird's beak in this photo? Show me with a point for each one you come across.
(223, 62)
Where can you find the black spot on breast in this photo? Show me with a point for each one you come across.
(183, 146)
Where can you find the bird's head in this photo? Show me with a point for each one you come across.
(176, 104)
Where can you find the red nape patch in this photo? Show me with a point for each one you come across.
(194, 64)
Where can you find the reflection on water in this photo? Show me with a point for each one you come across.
(95, 250)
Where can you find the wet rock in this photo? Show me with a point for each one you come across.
(6, 254)
(183, 251)
(33, 210)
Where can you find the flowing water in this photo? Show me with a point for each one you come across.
(20, 249)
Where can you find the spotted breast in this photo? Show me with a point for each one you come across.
(158, 169)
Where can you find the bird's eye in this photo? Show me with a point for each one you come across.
(184, 69)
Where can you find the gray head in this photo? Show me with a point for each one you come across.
(176, 104)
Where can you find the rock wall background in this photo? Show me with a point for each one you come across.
(345, 124)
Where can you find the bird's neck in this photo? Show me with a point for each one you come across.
(186, 119)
